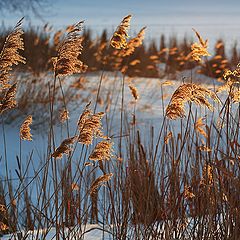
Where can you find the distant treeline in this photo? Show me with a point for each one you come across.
(159, 58)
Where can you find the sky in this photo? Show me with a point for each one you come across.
(215, 18)
(94, 12)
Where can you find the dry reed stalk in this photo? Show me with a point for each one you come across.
(25, 129)
(9, 55)
(199, 49)
(99, 182)
(64, 148)
(9, 101)
(67, 61)
(90, 126)
(119, 37)
(134, 92)
(102, 151)
(189, 92)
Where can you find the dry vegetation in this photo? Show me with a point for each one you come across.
(164, 183)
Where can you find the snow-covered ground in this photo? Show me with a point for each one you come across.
(90, 232)
(154, 96)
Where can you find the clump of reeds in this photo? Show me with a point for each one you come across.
(89, 126)
(25, 130)
(102, 151)
(199, 49)
(64, 148)
(9, 55)
(119, 37)
(9, 101)
(67, 61)
(189, 92)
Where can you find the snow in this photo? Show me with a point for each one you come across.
(91, 232)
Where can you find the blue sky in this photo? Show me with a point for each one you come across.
(64, 12)
(214, 19)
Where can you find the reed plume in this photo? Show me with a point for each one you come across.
(119, 37)
(99, 182)
(25, 129)
(3, 227)
(102, 151)
(75, 187)
(189, 92)
(9, 101)
(204, 148)
(188, 194)
(134, 92)
(67, 61)
(134, 62)
(199, 49)
(199, 126)
(9, 55)
(90, 126)
(64, 148)
(134, 43)
(232, 79)
(207, 174)
(64, 115)
(235, 96)
(168, 137)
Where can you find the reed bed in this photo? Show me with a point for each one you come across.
(175, 178)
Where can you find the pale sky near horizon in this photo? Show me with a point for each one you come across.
(94, 12)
